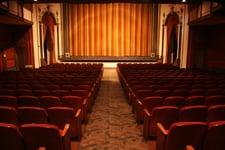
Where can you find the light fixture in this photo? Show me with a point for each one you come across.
(183, 1)
(35, 0)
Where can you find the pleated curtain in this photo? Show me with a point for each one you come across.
(112, 29)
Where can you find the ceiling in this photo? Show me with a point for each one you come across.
(109, 1)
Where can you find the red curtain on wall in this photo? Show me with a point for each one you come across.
(49, 22)
(112, 29)
(29, 48)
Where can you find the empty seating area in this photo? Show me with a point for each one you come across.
(51, 102)
(176, 105)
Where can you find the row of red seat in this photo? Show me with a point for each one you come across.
(75, 102)
(58, 116)
(34, 137)
(55, 99)
(191, 135)
(167, 115)
(155, 99)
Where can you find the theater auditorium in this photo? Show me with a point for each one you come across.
(112, 75)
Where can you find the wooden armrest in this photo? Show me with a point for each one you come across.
(78, 112)
(42, 148)
(146, 112)
(162, 129)
(85, 101)
(65, 129)
(89, 94)
(190, 147)
(139, 102)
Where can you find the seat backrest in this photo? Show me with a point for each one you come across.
(180, 92)
(152, 102)
(174, 101)
(212, 92)
(7, 92)
(140, 94)
(41, 93)
(23, 92)
(10, 137)
(28, 101)
(181, 134)
(81, 93)
(9, 115)
(49, 101)
(41, 135)
(166, 115)
(72, 101)
(68, 87)
(60, 93)
(197, 92)
(215, 100)
(161, 92)
(216, 113)
(51, 87)
(195, 100)
(7, 100)
(32, 115)
(215, 136)
(61, 115)
(193, 113)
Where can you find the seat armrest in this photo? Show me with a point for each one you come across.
(146, 112)
(66, 134)
(139, 102)
(146, 125)
(42, 148)
(65, 130)
(78, 113)
(85, 101)
(190, 147)
(161, 136)
(162, 129)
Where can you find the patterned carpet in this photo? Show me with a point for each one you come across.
(111, 125)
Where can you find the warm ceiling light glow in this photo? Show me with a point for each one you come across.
(35, 0)
(183, 1)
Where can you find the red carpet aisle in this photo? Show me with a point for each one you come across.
(111, 125)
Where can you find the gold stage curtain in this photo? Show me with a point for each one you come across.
(112, 29)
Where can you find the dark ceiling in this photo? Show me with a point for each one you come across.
(109, 1)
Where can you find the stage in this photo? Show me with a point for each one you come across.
(108, 59)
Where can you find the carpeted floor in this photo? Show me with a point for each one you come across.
(112, 125)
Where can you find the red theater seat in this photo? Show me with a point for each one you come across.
(215, 100)
(9, 115)
(216, 113)
(61, 115)
(193, 113)
(215, 136)
(7, 100)
(76, 103)
(10, 137)
(181, 134)
(178, 101)
(45, 135)
(28, 101)
(49, 101)
(32, 115)
(195, 100)
(166, 115)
